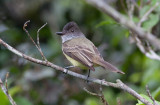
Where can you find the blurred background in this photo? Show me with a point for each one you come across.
(33, 84)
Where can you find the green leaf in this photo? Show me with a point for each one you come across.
(135, 77)
(105, 23)
(127, 33)
(151, 75)
(135, 19)
(153, 2)
(91, 101)
(153, 20)
(144, 10)
(147, 98)
(22, 101)
(3, 98)
(156, 93)
(14, 90)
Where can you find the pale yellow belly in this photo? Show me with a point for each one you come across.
(76, 63)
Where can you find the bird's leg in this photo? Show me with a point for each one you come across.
(68, 67)
(88, 75)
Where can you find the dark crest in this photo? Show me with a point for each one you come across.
(69, 25)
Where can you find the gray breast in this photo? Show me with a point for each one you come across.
(70, 36)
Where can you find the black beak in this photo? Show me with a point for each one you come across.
(59, 33)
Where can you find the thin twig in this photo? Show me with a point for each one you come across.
(104, 101)
(94, 94)
(123, 6)
(38, 44)
(101, 96)
(119, 84)
(136, 5)
(149, 52)
(6, 80)
(130, 6)
(5, 90)
(118, 101)
(141, 4)
(150, 96)
(24, 28)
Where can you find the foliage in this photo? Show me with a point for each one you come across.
(146, 97)
(55, 88)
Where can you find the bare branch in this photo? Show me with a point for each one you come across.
(7, 75)
(149, 53)
(38, 44)
(94, 94)
(5, 90)
(103, 6)
(136, 5)
(104, 101)
(141, 4)
(118, 101)
(101, 96)
(119, 84)
(39, 49)
(150, 96)
(123, 6)
(24, 28)
(130, 6)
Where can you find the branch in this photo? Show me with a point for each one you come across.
(37, 45)
(119, 84)
(5, 90)
(118, 101)
(103, 6)
(149, 52)
(150, 96)
(101, 96)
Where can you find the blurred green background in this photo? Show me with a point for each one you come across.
(33, 84)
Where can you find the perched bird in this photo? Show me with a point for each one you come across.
(80, 51)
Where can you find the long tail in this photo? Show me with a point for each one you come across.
(108, 66)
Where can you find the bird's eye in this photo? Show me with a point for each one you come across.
(72, 30)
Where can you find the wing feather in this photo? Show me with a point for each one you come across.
(77, 54)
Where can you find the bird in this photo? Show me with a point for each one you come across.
(80, 51)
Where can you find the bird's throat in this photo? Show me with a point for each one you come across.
(69, 37)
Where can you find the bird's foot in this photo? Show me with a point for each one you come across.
(66, 69)
(88, 76)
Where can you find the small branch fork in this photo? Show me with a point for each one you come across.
(101, 96)
(4, 88)
(147, 51)
(38, 44)
(119, 83)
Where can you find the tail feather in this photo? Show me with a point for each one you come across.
(108, 66)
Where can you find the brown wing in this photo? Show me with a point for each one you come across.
(77, 54)
(84, 51)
